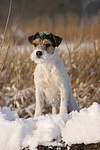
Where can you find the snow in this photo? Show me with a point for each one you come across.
(76, 127)
(78, 46)
(84, 126)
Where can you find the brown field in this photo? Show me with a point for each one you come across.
(82, 63)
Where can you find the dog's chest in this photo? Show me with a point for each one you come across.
(47, 79)
(46, 76)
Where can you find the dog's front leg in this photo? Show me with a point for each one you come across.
(64, 100)
(55, 110)
(39, 102)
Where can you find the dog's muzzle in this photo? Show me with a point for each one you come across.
(38, 54)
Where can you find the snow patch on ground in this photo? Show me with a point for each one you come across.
(83, 127)
(76, 127)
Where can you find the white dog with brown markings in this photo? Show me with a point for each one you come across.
(50, 77)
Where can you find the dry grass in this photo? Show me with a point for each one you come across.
(17, 90)
(84, 72)
(82, 65)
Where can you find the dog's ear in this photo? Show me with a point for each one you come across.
(56, 39)
(32, 37)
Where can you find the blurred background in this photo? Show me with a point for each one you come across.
(76, 21)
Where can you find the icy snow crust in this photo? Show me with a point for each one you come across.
(76, 127)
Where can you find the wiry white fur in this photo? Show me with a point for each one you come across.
(52, 83)
(46, 57)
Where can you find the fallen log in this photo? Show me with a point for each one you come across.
(93, 146)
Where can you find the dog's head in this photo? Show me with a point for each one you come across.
(43, 46)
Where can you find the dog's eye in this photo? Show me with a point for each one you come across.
(47, 45)
(35, 44)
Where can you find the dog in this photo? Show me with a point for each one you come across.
(50, 77)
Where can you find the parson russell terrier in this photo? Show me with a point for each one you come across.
(50, 77)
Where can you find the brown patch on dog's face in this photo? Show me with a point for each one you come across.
(45, 44)
(47, 41)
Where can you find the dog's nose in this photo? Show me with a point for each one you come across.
(38, 53)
